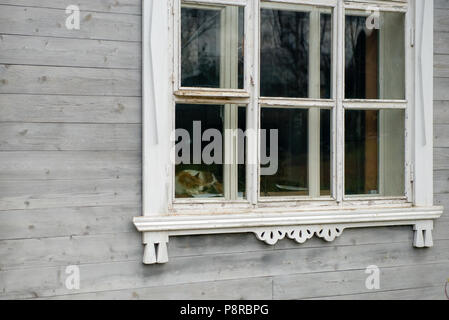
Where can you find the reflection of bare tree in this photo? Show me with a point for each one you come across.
(200, 47)
(325, 55)
(284, 53)
(355, 57)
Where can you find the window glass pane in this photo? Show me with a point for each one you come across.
(296, 52)
(212, 46)
(196, 176)
(241, 153)
(210, 151)
(284, 56)
(374, 152)
(375, 56)
(325, 152)
(291, 176)
(326, 56)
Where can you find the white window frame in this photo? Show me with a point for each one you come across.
(271, 220)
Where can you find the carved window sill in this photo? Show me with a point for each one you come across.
(275, 226)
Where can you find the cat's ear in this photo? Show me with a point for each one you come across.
(198, 174)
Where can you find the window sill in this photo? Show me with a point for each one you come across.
(272, 226)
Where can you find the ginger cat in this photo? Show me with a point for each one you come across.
(193, 182)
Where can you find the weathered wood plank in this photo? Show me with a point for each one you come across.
(440, 89)
(441, 159)
(124, 246)
(51, 22)
(430, 293)
(31, 50)
(441, 23)
(441, 135)
(40, 194)
(69, 165)
(76, 221)
(21, 283)
(441, 112)
(114, 6)
(441, 43)
(70, 109)
(441, 65)
(62, 251)
(315, 285)
(69, 137)
(241, 289)
(69, 81)
(441, 181)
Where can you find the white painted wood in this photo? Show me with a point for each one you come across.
(274, 226)
(423, 104)
(156, 113)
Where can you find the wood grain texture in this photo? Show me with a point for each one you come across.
(70, 109)
(306, 286)
(441, 135)
(241, 289)
(49, 22)
(428, 293)
(41, 194)
(48, 51)
(69, 81)
(441, 66)
(69, 137)
(69, 165)
(69, 221)
(441, 44)
(89, 247)
(113, 6)
(441, 112)
(133, 274)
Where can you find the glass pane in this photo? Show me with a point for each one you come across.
(374, 152)
(284, 56)
(241, 153)
(197, 175)
(325, 56)
(325, 152)
(296, 53)
(212, 46)
(289, 152)
(375, 56)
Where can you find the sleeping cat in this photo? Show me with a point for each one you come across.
(194, 182)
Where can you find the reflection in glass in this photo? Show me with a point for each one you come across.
(325, 152)
(374, 152)
(284, 55)
(375, 57)
(325, 56)
(194, 178)
(212, 47)
(241, 153)
(296, 54)
(291, 178)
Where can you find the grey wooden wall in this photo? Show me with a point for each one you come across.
(70, 176)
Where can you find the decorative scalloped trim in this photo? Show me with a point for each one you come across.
(299, 234)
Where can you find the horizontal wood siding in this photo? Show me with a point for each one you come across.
(70, 181)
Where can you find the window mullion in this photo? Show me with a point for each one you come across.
(314, 113)
(339, 170)
(252, 84)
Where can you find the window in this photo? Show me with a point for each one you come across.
(285, 118)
